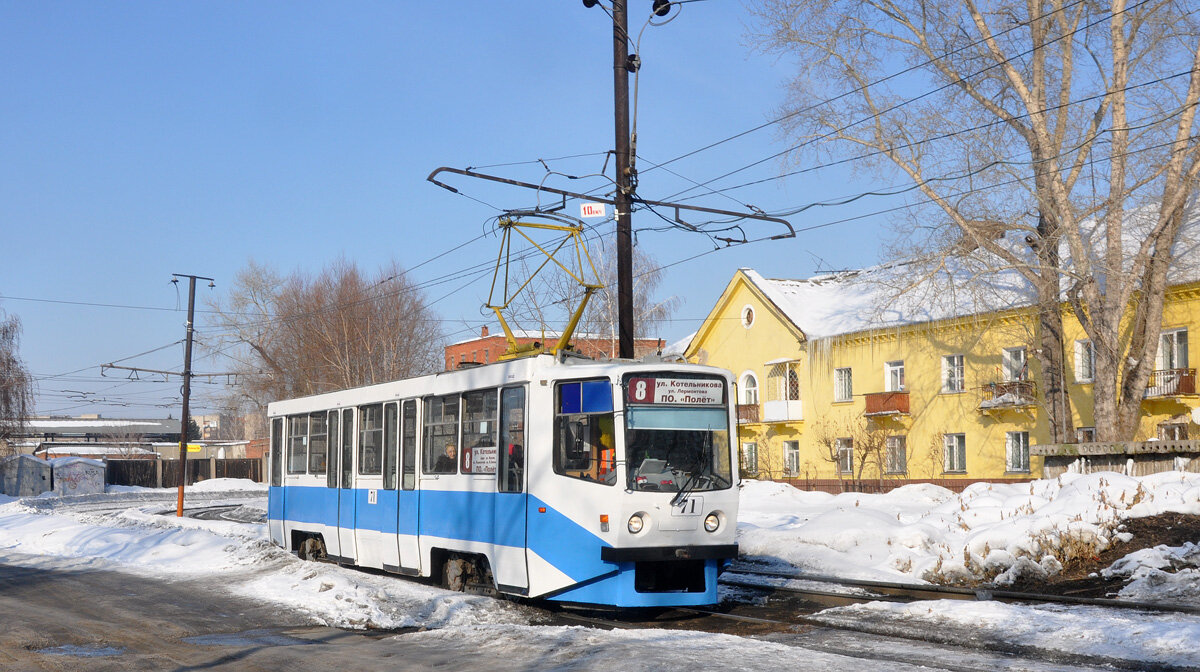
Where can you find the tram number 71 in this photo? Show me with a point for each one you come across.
(692, 506)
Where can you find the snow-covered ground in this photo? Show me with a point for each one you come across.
(989, 533)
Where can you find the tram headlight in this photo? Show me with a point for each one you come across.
(712, 522)
(635, 523)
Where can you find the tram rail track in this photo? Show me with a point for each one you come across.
(875, 591)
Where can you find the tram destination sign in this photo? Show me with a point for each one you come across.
(682, 391)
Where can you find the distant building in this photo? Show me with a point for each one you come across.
(488, 348)
(95, 437)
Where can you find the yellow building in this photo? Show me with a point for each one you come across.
(838, 390)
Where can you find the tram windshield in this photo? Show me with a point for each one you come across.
(677, 433)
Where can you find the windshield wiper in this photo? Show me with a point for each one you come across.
(689, 485)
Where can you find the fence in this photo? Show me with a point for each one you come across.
(162, 473)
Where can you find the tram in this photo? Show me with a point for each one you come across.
(552, 477)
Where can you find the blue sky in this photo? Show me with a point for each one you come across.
(141, 139)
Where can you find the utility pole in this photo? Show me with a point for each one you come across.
(185, 419)
(625, 178)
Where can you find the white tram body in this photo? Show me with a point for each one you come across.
(598, 483)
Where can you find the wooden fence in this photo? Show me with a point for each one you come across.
(162, 473)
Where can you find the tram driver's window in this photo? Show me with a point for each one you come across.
(583, 431)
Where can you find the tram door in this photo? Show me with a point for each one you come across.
(511, 496)
(407, 499)
(346, 488)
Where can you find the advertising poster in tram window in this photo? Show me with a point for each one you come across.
(480, 460)
(681, 391)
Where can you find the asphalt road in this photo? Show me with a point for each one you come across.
(72, 617)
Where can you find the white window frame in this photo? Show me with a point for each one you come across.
(1014, 362)
(896, 453)
(779, 383)
(843, 384)
(954, 453)
(893, 376)
(845, 455)
(750, 457)
(1085, 361)
(1016, 450)
(749, 389)
(1172, 350)
(791, 458)
(953, 374)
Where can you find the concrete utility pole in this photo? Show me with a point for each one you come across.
(185, 419)
(625, 178)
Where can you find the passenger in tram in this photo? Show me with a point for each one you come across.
(445, 463)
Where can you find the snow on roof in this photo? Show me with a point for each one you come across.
(100, 426)
(889, 295)
(60, 462)
(678, 347)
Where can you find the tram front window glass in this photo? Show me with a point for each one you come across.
(297, 444)
(583, 431)
(370, 439)
(441, 435)
(677, 433)
(318, 443)
(478, 452)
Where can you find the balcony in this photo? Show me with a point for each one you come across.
(747, 413)
(1171, 383)
(1008, 394)
(886, 403)
(783, 411)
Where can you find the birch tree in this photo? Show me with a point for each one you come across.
(1056, 137)
(16, 385)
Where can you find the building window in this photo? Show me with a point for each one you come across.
(747, 316)
(1017, 449)
(750, 458)
(783, 384)
(1085, 434)
(952, 373)
(893, 376)
(749, 389)
(1085, 362)
(897, 455)
(791, 458)
(845, 455)
(843, 385)
(955, 449)
(1014, 364)
(1173, 431)
(1172, 350)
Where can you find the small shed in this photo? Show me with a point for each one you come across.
(77, 476)
(24, 476)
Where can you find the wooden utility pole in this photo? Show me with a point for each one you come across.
(185, 419)
(625, 178)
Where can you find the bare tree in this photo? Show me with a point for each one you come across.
(305, 334)
(16, 385)
(858, 444)
(1070, 123)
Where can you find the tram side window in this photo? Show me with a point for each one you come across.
(297, 444)
(583, 431)
(512, 440)
(277, 452)
(408, 444)
(389, 446)
(331, 475)
(370, 439)
(347, 447)
(478, 450)
(441, 435)
(318, 443)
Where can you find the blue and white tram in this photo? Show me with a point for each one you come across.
(600, 483)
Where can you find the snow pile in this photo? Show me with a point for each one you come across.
(990, 533)
(1170, 573)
